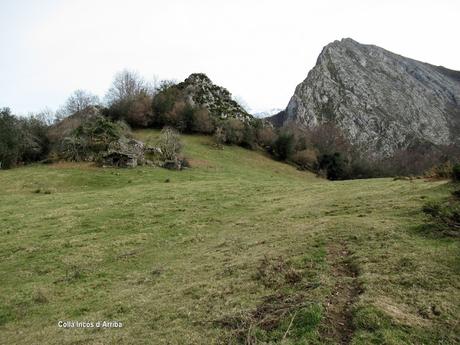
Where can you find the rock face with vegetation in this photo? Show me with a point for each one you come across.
(201, 92)
(382, 101)
(124, 153)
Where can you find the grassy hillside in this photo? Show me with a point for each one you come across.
(237, 249)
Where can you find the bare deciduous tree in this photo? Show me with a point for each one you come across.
(328, 139)
(46, 116)
(79, 101)
(265, 136)
(126, 86)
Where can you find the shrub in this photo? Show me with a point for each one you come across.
(170, 144)
(73, 149)
(234, 131)
(302, 137)
(163, 104)
(136, 111)
(283, 146)
(140, 111)
(432, 208)
(22, 140)
(441, 171)
(328, 139)
(417, 159)
(35, 144)
(186, 118)
(90, 138)
(363, 167)
(305, 159)
(219, 137)
(456, 172)
(64, 127)
(203, 122)
(265, 136)
(447, 213)
(456, 193)
(334, 165)
(249, 139)
(176, 117)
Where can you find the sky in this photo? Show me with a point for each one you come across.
(258, 50)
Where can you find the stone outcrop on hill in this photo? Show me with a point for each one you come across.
(382, 101)
(124, 153)
(201, 92)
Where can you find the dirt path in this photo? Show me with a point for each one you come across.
(339, 323)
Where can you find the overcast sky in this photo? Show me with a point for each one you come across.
(258, 50)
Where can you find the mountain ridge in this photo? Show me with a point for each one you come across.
(382, 101)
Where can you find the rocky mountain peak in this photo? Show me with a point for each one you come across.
(198, 78)
(382, 101)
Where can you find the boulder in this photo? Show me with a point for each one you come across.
(124, 153)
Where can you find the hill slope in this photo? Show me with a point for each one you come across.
(238, 247)
(382, 101)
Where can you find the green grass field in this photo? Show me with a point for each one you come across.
(239, 249)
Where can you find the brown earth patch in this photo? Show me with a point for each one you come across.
(339, 322)
(200, 163)
(73, 165)
(267, 316)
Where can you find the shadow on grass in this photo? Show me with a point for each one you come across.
(434, 231)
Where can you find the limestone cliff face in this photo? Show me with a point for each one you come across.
(381, 100)
(200, 91)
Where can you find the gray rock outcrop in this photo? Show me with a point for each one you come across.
(382, 101)
(124, 153)
(201, 92)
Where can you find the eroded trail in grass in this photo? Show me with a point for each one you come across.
(339, 319)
